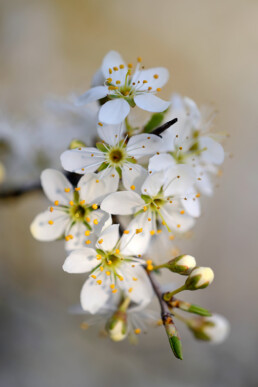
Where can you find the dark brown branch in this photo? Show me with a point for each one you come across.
(163, 127)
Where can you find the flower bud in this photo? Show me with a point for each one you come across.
(183, 264)
(173, 337)
(199, 278)
(74, 144)
(214, 329)
(117, 326)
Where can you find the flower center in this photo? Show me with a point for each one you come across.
(78, 212)
(116, 156)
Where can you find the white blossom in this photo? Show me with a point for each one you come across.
(125, 88)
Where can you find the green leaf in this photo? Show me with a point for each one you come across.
(199, 310)
(176, 346)
(155, 121)
(102, 167)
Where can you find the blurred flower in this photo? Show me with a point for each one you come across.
(199, 278)
(125, 89)
(214, 329)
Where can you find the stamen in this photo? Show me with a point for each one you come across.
(88, 242)
(87, 219)
(132, 187)
(71, 203)
(145, 208)
(135, 279)
(158, 89)
(198, 195)
(126, 231)
(137, 331)
(130, 65)
(110, 71)
(93, 276)
(112, 286)
(130, 290)
(182, 212)
(56, 202)
(100, 241)
(67, 190)
(138, 230)
(114, 291)
(117, 251)
(50, 222)
(139, 59)
(152, 232)
(98, 256)
(121, 66)
(108, 273)
(155, 76)
(95, 221)
(94, 206)
(99, 282)
(82, 202)
(77, 189)
(115, 68)
(87, 232)
(51, 209)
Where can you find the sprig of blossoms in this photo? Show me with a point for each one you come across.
(137, 183)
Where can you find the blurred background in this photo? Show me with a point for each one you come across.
(53, 47)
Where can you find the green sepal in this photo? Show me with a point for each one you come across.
(131, 102)
(199, 335)
(198, 310)
(119, 172)
(102, 167)
(86, 224)
(146, 198)
(76, 196)
(176, 346)
(101, 147)
(101, 252)
(155, 121)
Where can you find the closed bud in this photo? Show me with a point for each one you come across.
(214, 329)
(74, 144)
(173, 337)
(199, 278)
(117, 326)
(183, 264)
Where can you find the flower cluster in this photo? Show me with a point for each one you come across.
(135, 186)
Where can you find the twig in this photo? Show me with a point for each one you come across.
(163, 127)
(16, 192)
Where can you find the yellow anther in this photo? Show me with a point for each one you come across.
(143, 146)
(101, 268)
(180, 148)
(144, 81)
(126, 231)
(149, 219)
(82, 202)
(149, 88)
(115, 68)
(108, 273)
(121, 66)
(98, 256)
(150, 267)
(83, 169)
(100, 241)
(178, 225)
(182, 212)
(56, 202)
(114, 291)
(158, 89)
(71, 203)
(93, 276)
(110, 71)
(95, 221)
(144, 208)
(70, 236)
(50, 222)
(155, 76)
(163, 222)
(198, 195)
(137, 331)
(77, 189)
(94, 206)
(92, 155)
(130, 65)
(139, 59)
(159, 231)
(67, 190)
(109, 262)
(87, 219)
(99, 282)
(88, 242)
(133, 265)
(97, 181)
(152, 232)
(118, 82)
(121, 278)
(135, 279)
(132, 187)
(130, 290)
(51, 209)
(67, 238)
(112, 87)
(149, 261)
(117, 251)
(138, 230)
(171, 237)
(112, 286)
(99, 123)
(109, 80)
(87, 232)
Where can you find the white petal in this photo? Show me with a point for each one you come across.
(178, 135)
(193, 112)
(122, 203)
(54, 184)
(153, 184)
(94, 296)
(79, 238)
(151, 103)
(214, 153)
(133, 175)
(192, 205)
(111, 134)
(111, 60)
(43, 231)
(175, 220)
(135, 244)
(179, 180)
(91, 95)
(148, 75)
(204, 186)
(82, 161)
(98, 78)
(81, 261)
(93, 189)
(142, 291)
(109, 238)
(143, 144)
(161, 162)
(114, 112)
